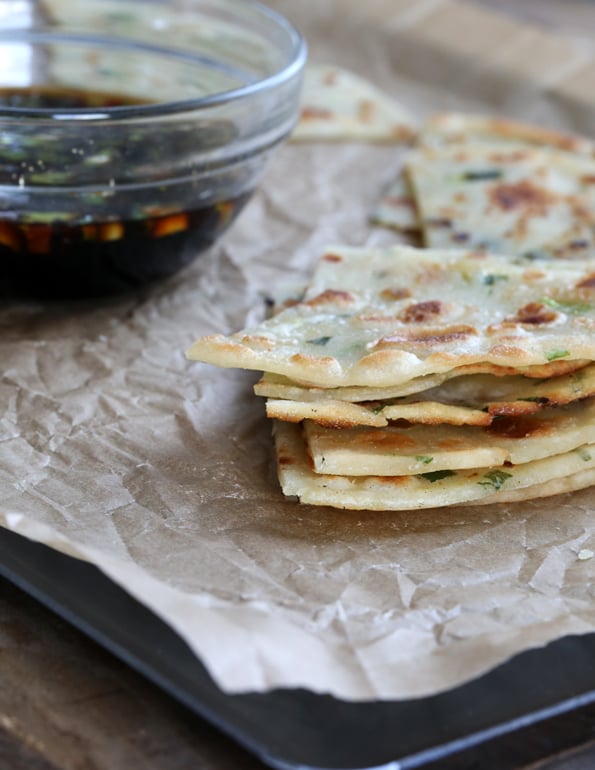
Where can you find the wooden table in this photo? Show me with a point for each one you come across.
(66, 704)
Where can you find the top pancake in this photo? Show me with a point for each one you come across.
(380, 317)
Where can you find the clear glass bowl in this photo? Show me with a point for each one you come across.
(132, 133)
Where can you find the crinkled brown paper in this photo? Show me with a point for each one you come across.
(115, 449)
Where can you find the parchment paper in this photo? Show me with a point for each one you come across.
(115, 449)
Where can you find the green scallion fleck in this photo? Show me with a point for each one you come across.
(492, 278)
(437, 475)
(572, 308)
(482, 174)
(495, 479)
(553, 355)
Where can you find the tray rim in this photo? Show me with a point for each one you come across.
(38, 570)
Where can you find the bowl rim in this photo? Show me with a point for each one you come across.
(296, 60)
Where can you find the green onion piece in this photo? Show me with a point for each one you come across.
(495, 479)
(553, 355)
(437, 475)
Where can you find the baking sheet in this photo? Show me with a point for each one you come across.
(298, 729)
(116, 450)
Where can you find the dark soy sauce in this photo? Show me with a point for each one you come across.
(95, 253)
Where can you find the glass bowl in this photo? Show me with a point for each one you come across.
(132, 133)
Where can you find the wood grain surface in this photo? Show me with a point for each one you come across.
(66, 704)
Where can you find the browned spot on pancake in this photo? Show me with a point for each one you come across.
(393, 481)
(511, 338)
(330, 78)
(553, 369)
(420, 312)
(501, 326)
(535, 314)
(395, 293)
(512, 156)
(554, 138)
(579, 210)
(521, 195)
(398, 131)
(588, 282)
(533, 275)
(333, 421)
(301, 358)
(284, 460)
(365, 110)
(585, 323)
(386, 439)
(519, 426)
(332, 258)
(315, 113)
(588, 179)
(451, 444)
(377, 319)
(507, 351)
(333, 296)
(496, 370)
(327, 422)
(385, 356)
(432, 272)
(428, 337)
(258, 341)
(287, 304)
(537, 371)
(518, 408)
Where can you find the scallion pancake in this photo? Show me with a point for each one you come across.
(344, 414)
(427, 490)
(397, 450)
(398, 207)
(537, 202)
(548, 488)
(464, 400)
(279, 387)
(338, 105)
(382, 317)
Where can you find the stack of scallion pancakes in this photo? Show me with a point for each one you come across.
(411, 378)
(462, 373)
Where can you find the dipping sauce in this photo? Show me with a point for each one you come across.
(63, 98)
(65, 261)
(75, 221)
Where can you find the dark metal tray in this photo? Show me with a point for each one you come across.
(297, 728)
